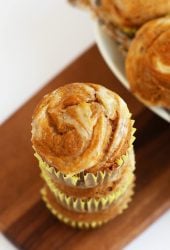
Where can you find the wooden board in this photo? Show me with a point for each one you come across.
(23, 216)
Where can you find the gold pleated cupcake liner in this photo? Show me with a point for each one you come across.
(89, 180)
(84, 180)
(66, 220)
(81, 224)
(87, 204)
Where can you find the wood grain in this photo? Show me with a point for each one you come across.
(23, 216)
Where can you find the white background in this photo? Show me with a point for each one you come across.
(38, 39)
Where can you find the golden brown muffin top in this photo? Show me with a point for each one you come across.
(79, 126)
(148, 62)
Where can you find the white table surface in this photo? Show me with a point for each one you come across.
(37, 40)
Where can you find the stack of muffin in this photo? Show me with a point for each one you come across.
(83, 138)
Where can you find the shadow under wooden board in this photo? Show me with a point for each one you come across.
(24, 218)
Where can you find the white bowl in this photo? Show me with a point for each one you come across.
(115, 61)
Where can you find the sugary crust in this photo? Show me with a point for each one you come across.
(86, 219)
(148, 63)
(81, 126)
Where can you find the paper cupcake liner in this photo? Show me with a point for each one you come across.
(81, 224)
(84, 180)
(89, 180)
(90, 204)
(66, 220)
(133, 138)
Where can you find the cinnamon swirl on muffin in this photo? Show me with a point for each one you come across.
(148, 63)
(82, 135)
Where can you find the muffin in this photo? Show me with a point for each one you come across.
(148, 63)
(122, 18)
(83, 137)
